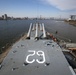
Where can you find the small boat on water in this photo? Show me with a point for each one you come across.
(37, 54)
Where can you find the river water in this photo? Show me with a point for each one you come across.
(11, 29)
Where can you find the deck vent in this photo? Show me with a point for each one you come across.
(14, 51)
(15, 68)
(0, 67)
(25, 64)
(47, 64)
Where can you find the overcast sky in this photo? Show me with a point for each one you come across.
(35, 8)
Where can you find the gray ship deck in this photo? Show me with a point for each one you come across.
(35, 57)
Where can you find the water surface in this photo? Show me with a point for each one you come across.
(11, 29)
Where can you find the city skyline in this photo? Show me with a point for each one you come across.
(35, 8)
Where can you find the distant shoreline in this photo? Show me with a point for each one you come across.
(71, 22)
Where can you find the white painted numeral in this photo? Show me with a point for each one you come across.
(33, 53)
(39, 53)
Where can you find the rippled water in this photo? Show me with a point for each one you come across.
(11, 29)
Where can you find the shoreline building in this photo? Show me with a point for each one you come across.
(73, 17)
(5, 16)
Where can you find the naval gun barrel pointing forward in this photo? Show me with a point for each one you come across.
(44, 32)
(33, 27)
(36, 35)
(40, 27)
(29, 32)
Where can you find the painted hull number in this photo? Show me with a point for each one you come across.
(38, 53)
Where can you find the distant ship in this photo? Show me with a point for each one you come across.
(38, 54)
